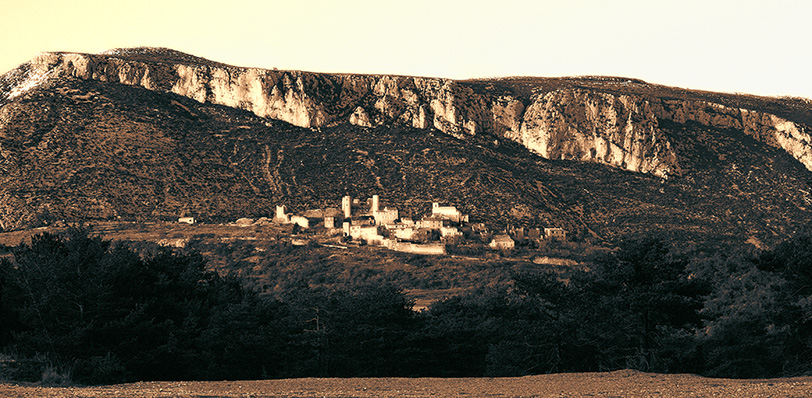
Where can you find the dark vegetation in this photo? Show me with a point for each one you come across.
(75, 307)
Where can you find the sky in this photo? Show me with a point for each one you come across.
(756, 47)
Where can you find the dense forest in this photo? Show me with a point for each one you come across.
(78, 308)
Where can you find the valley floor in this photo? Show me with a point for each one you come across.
(624, 383)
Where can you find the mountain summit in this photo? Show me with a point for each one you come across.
(151, 132)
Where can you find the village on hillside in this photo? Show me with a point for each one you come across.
(366, 223)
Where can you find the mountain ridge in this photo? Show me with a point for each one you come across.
(98, 137)
(616, 129)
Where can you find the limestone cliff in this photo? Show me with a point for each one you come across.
(625, 131)
(622, 130)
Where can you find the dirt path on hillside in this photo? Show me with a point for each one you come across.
(623, 383)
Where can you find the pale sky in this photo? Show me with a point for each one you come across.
(758, 47)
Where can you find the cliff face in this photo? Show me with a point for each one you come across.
(566, 123)
(161, 145)
(625, 131)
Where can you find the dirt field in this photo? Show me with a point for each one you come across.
(623, 383)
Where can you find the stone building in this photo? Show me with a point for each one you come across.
(300, 221)
(555, 233)
(449, 232)
(368, 233)
(431, 223)
(447, 213)
(502, 242)
(280, 216)
(518, 233)
(406, 233)
(346, 206)
(416, 248)
(385, 216)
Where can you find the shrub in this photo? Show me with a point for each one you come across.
(54, 376)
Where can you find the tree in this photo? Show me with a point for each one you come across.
(741, 337)
(489, 332)
(645, 303)
(761, 314)
(105, 314)
(634, 308)
(353, 333)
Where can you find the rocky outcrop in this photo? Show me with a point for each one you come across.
(620, 131)
(624, 130)
(568, 123)
(300, 98)
(770, 129)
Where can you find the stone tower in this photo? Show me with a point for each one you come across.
(280, 216)
(346, 206)
(375, 204)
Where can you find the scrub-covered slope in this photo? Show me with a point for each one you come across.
(153, 133)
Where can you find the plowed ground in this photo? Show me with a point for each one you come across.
(623, 383)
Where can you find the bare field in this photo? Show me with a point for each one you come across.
(624, 383)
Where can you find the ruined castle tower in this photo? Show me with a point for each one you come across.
(280, 216)
(375, 204)
(346, 206)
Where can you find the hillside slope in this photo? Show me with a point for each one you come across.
(140, 134)
(615, 121)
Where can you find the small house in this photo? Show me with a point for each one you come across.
(385, 216)
(369, 233)
(406, 233)
(502, 242)
(449, 231)
(300, 221)
(555, 234)
(432, 223)
(448, 213)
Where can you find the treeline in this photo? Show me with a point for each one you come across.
(79, 308)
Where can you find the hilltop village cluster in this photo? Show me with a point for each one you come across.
(367, 222)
